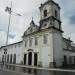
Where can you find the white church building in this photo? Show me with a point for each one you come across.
(42, 45)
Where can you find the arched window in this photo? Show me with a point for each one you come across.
(56, 14)
(36, 41)
(45, 39)
(45, 13)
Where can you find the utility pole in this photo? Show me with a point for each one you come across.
(9, 10)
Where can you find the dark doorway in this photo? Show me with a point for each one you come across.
(65, 60)
(74, 59)
(70, 60)
(14, 59)
(25, 59)
(11, 59)
(30, 58)
(35, 59)
(2, 58)
(8, 58)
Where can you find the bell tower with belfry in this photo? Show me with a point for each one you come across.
(50, 20)
(50, 15)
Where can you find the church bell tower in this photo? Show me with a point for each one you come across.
(50, 15)
(50, 20)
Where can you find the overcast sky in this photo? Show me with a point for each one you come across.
(29, 9)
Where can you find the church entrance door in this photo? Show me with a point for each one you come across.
(24, 59)
(30, 58)
(35, 59)
(14, 59)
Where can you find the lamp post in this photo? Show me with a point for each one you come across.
(9, 10)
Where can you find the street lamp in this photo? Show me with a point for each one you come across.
(9, 10)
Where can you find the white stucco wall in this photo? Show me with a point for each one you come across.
(13, 49)
(69, 54)
(1, 54)
(45, 51)
(58, 52)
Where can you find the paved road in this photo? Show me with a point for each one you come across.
(26, 71)
(7, 73)
(12, 73)
(40, 72)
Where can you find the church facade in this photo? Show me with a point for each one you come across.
(42, 45)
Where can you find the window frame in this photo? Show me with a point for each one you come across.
(45, 13)
(30, 42)
(25, 43)
(36, 41)
(56, 14)
(45, 39)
